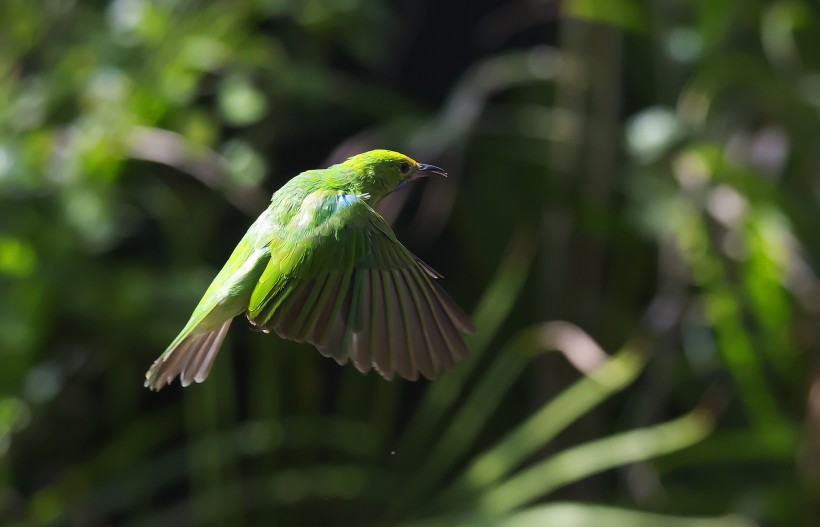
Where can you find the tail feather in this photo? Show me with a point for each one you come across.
(191, 359)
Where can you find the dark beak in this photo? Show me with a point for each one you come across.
(429, 170)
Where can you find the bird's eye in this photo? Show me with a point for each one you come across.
(404, 167)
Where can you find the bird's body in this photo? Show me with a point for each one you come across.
(321, 266)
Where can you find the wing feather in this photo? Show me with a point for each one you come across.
(165, 368)
(195, 358)
(428, 362)
(416, 350)
(338, 337)
(408, 351)
(348, 286)
(380, 330)
(272, 305)
(322, 316)
(335, 304)
(191, 360)
(402, 346)
(455, 348)
(459, 318)
(301, 325)
(204, 367)
(290, 309)
(362, 346)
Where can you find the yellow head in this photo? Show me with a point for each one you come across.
(380, 172)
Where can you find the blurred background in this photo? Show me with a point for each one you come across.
(631, 220)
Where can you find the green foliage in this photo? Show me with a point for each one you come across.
(654, 164)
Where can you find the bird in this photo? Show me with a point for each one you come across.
(321, 266)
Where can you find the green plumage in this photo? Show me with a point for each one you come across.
(321, 266)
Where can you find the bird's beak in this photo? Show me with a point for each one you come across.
(429, 170)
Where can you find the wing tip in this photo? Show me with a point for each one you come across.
(190, 361)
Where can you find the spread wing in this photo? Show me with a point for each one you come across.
(345, 284)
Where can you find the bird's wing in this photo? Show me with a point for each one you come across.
(346, 285)
(193, 351)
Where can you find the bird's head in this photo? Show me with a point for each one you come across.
(380, 172)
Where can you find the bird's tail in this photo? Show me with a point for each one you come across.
(189, 356)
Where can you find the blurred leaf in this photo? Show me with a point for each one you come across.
(543, 425)
(627, 14)
(587, 459)
(582, 515)
(241, 103)
(17, 258)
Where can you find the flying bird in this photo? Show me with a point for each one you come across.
(321, 266)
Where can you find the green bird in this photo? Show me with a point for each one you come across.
(321, 266)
